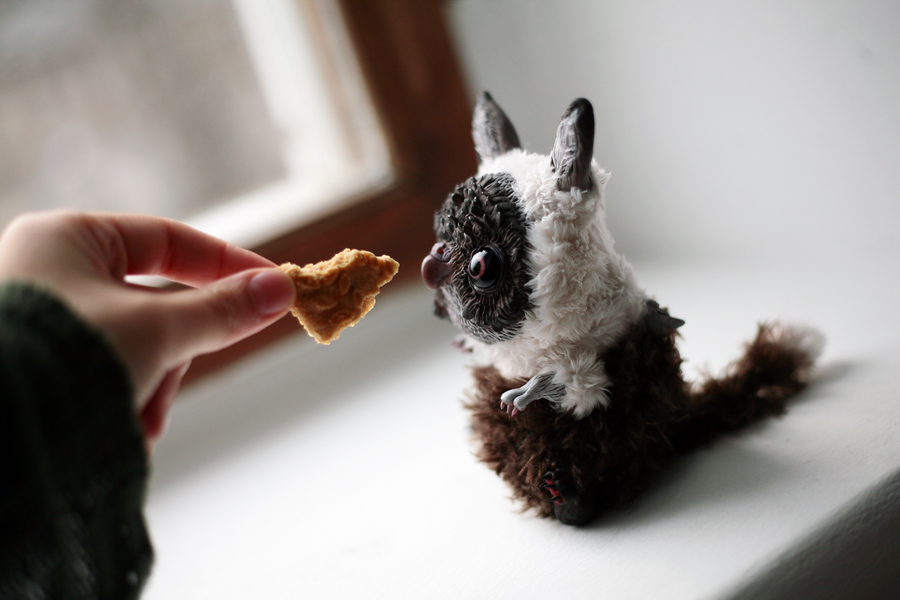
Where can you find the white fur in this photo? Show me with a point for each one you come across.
(585, 294)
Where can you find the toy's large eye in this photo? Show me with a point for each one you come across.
(486, 269)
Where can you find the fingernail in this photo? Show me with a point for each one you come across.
(272, 291)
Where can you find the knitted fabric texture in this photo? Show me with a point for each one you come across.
(72, 461)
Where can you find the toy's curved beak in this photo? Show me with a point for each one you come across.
(437, 268)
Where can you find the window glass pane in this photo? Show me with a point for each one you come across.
(231, 115)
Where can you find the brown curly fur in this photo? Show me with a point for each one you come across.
(653, 414)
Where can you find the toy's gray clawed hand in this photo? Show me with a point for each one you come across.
(462, 344)
(538, 387)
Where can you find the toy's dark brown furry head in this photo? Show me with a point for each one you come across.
(482, 259)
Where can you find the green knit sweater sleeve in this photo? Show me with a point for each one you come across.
(73, 470)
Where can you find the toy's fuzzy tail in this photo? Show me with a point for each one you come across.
(775, 366)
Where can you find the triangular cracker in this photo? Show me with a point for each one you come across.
(335, 294)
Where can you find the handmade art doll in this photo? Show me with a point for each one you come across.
(580, 396)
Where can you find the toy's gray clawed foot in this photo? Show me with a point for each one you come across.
(569, 507)
(537, 388)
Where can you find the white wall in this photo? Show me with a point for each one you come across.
(730, 127)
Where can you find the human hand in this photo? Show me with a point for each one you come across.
(83, 259)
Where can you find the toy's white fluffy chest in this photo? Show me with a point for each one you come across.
(584, 294)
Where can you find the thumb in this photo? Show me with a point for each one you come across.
(218, 315)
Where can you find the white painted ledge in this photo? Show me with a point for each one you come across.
(346, 471)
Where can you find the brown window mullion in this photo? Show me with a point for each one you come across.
(411, 70)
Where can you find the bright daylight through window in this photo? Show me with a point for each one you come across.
(244, 118)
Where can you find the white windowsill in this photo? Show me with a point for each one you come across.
(346, 471)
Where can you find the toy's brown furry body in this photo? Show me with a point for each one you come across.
(653, 415)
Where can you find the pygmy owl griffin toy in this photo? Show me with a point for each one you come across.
(581, 395)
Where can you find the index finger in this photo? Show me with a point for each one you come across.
(171, 249)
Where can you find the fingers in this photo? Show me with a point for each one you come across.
(66, 242)
(215, 316)
(82, 257)
(157, 246)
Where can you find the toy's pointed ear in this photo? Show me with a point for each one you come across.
(574, 147)
(492, 131)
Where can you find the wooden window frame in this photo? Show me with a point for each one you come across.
(410, 67)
